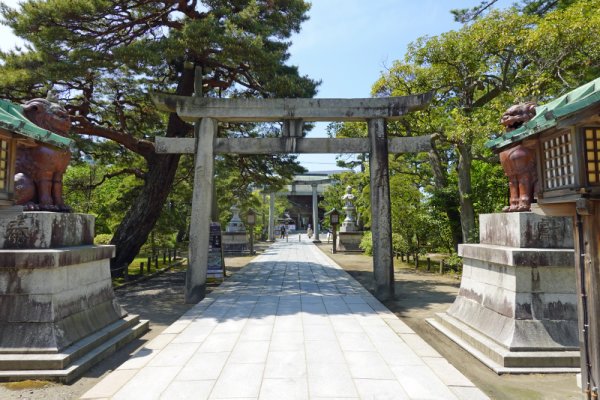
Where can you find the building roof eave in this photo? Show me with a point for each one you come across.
(13, 120)
(550, 114)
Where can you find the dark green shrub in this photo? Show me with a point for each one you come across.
(103, 238)
(366, 243)
(454, 262)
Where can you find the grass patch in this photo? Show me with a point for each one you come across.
(422, 266)
(134, 268)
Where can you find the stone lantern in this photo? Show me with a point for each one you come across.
(235, 224)
(349, 224)
(564, 137)
(349, 237)
(234, 237)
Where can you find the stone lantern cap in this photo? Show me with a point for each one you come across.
(548, 115)
(13, 120)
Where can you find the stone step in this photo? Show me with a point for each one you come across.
(26, 361)
(500, 359)
(77, 358)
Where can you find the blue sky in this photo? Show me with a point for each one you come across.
(348, 43)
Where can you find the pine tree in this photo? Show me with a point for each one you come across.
(103, 57)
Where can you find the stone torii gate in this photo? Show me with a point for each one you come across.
(206, 112)
(315, 209)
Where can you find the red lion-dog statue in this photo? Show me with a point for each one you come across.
(518, 161)
(40, 167)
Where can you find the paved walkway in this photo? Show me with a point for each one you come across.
(290, 325)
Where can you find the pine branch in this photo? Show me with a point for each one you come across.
(83, 126)
(132, 171)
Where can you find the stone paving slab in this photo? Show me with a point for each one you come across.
(292, 324)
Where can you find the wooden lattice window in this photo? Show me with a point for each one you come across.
(4, 164)
(559, 170)
(592, 153)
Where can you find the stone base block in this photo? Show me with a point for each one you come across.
(500, 359)
(516, 309)
(349, 241)
(58, 311)
(235, 242)
(526, 230)
(55, 297)
(45, 230)
(517, 334)
(523, 299)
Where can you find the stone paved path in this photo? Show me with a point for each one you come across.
(290, 325)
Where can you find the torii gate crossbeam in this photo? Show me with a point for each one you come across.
(207, 112)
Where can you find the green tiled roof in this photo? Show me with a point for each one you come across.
(13, 120)
(548, 114)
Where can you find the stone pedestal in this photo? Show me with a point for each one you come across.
(349, 241)
(235, 242)
(58, 312)
(516, 310)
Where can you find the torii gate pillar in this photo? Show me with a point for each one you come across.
(315, 212)
(381, 225)
(195, 280)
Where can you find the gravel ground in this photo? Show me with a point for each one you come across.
(418, 296)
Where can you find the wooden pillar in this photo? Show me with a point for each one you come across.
(315, 211)
(381, 225)
(195, 279)
(334, 228)
(587, 262)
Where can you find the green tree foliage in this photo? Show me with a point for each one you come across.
(103, 57)
(538, 7)
(476, 73)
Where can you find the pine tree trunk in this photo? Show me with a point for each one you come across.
(141, 217)
(467, 212)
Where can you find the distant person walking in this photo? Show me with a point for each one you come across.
(282, 232)
(309, 232)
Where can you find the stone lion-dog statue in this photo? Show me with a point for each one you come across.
(40, 167)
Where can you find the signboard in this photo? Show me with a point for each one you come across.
(216, 263)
